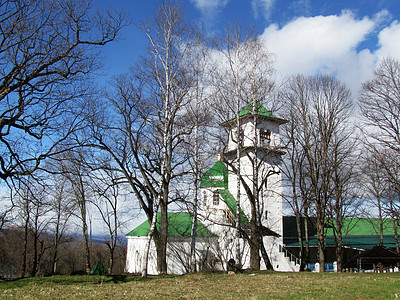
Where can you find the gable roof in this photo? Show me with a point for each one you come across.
(179, 225)
(217, 176)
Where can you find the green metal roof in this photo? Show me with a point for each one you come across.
(364, 226)
(231, 202)
(361, 233)
(217, 176)
(179, 225)
(260, 110)
(359, 242)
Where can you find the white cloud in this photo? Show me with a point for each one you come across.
(382, 17)
(209, 8)
(263, 6)
(388, 40)
(322, 44)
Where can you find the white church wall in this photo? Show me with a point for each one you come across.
(271, 203)
(134, 255)
(178, 254)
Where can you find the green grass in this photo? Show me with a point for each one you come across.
(261, 285)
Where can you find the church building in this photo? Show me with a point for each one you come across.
(217, 240)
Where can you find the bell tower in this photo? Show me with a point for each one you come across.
(260, 163)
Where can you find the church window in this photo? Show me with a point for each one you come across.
(216, 198)
(204, 198)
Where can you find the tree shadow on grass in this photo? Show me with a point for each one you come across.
(76, 280)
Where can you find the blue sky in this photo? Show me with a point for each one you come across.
(344, 38)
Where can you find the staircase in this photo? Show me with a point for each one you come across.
(287, 262)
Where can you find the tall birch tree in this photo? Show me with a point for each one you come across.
(148, 124)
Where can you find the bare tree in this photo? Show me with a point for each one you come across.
(389, 163)
(47, 55)
(243, 76)
(380, 104)
(33, 206)
(374, 184)
(61, 204)
(169, 39)
(198, 114)
(297, 195)
(74, 168)
(109, 193)
(151, 125)
(344, 202)
(323, 107)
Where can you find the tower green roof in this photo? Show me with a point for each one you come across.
(260, 110)
(217, 176)
(179, 225)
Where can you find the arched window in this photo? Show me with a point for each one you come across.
(265, 136)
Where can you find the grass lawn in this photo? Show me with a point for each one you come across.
(260, 285)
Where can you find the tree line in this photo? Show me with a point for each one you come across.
(69, 148)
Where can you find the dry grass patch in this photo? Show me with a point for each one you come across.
(261, 285)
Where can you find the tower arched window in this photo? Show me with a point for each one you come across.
(265, 136)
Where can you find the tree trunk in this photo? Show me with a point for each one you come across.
(264, 254)
(321, 243)
(396, 236)
(35, 254)
(25, 254)
(306, 256)
(194, 229)
(111, 260)
(56, 240)
(238, 148)
(54, 260)
(254, 238)
(195, 196)
(254, 246)
(145, 262)
(86, 242)
(299, 224)
(380, 216)
(339, 253)
(162, 249)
